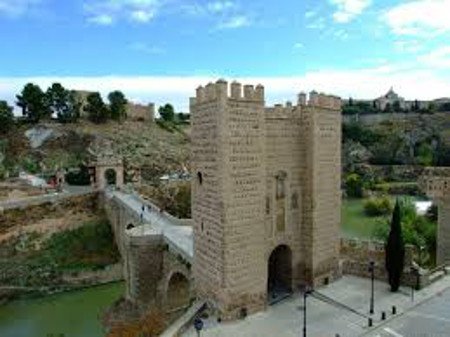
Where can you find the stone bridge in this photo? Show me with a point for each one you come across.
(157, 251)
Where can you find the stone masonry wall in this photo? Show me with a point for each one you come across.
(322, 193)
(264, 178)
(355, 256)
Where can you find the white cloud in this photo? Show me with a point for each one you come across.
(147, 49)
(234, 22)
(310, 14)
(107, 12)
(220, 6)
(298, 45)
(438, 58)
(142, 16)
(420, 17)
(16, 8)
(408, 46)
(347, 10)
(318, 23)
(102, 20)
(358, 83)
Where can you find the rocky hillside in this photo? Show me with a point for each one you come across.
(157, 148)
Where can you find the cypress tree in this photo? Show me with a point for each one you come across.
(395, 250)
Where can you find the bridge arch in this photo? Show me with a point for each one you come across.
(178, 291)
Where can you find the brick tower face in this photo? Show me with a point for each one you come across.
(265, 195)
(322, 188)
(228, 196)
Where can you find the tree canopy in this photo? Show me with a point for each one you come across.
(117, 105)
(395, 250)
(167, 112)
(33, 103)
(63, 103)
(6, 117)
(96, 109)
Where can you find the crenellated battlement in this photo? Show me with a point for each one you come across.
(314, 100)
(235, 91)
(322, 100)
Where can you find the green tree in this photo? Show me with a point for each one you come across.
(395, 250)
(96, 109)
(117, 105)
(167, 112)
(33, 103)
(6, 117)
(62, 103)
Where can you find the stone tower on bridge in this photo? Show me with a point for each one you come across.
(265, 195)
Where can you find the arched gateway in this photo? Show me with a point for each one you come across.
(178, 293)
(279, 278)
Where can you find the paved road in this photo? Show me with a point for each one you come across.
(69, 191)
(179, 237)
(429, 319)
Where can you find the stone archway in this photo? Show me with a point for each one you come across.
(110, 177)
(279, 277)
(178, 292)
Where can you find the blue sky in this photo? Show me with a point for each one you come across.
(160, 50)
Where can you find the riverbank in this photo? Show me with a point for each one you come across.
(80, 281)
(72, 314)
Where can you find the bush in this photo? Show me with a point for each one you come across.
(398, 188)
(378, 206)
(354, 186)
(79, 178)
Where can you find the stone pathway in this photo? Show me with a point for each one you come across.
(286, 318)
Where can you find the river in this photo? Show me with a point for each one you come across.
(73, 314)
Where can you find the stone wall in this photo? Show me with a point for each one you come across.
(139, 112)
(356, 254)
(371, 119)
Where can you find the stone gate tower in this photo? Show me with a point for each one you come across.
(265, 195)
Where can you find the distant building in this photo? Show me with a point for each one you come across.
(390, 99)
(136, 112)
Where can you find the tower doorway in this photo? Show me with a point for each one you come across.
(279, 278)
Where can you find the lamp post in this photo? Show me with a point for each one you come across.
(415, 272)
(305, 295)
(372, 292)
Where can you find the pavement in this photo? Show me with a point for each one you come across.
(179, 237)
(429, 313)
(68, 192)
(430, 318)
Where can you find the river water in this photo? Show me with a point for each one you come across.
(73, 314)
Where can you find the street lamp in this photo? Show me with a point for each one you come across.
(416, 273)
(306, 292)
(372, 293)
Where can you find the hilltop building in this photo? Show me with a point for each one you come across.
(136, 112)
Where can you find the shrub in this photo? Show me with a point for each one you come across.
(378, 206)
(354, 185)
(79, 178)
